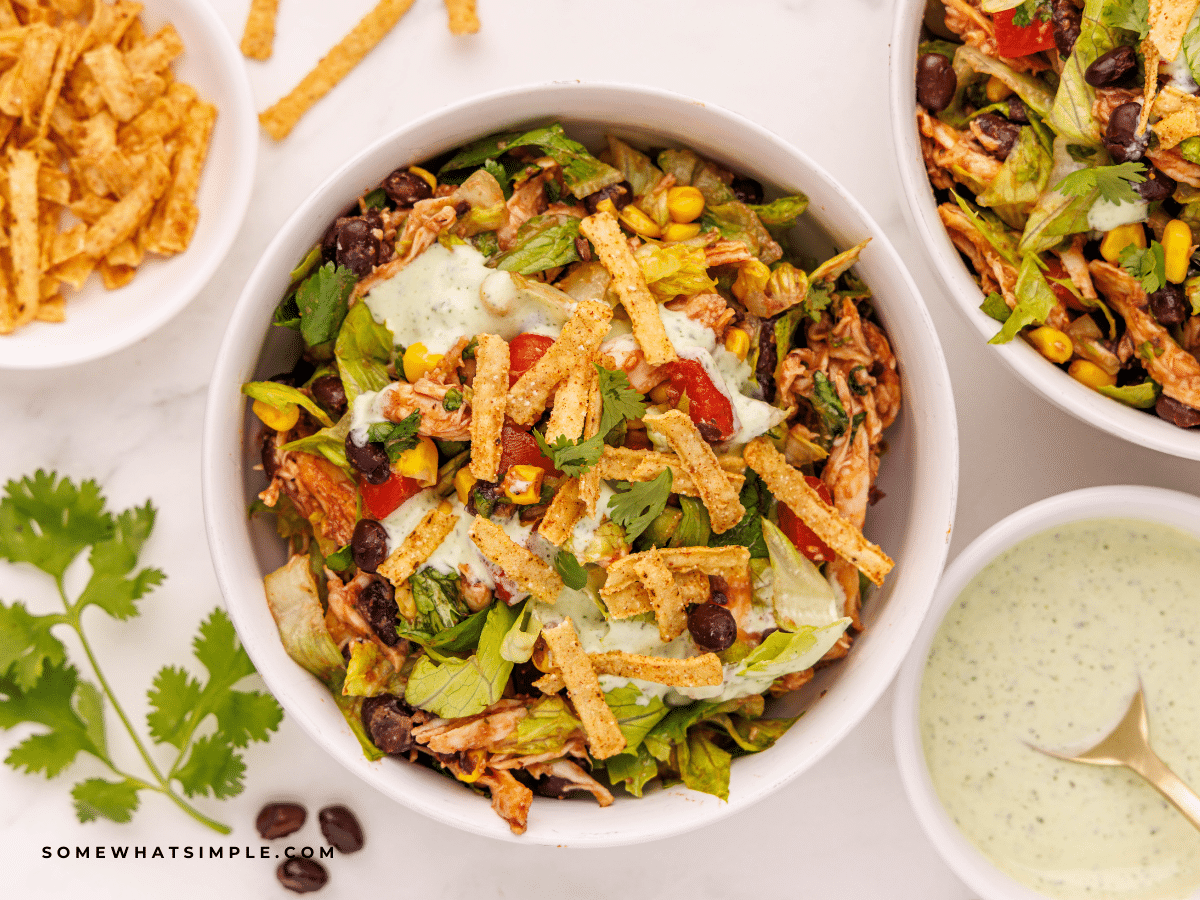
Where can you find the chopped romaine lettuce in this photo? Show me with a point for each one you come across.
(369, 673)
(544, 242)
(801, 595)
(1020, 181)
(673, 269)
(363, 351)
(1071, 115)
(1035, 299)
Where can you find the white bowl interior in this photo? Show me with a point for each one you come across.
(99, 322)
(1136, 426)
(919, 475)
(1168, 507)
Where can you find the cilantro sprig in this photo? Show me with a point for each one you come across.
(618, 399)
(1148, 266)
(396, 437)
(1115, 183)
(572, 457)
(573, 574)
(49, 522)
(635, 508)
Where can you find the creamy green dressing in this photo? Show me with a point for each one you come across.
(1045, 647)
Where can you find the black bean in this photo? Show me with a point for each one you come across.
(405, 189)
(1169, 304)
(522, 678)
(329, 394)
(621, 195)
(746, 189)
(936, 81)
(712, 627)
(768, 358)
(1176, 413)
(388, 721)
(357, 246)
(1111, 67)
(341, 829)
(709, 431)
(1067, 19)
(370, 459)
(719, 598)
(277, 820)
(1121, 138)
(1016, 111)
(996, 134)
(303, 876)
(556, 787)
(1157, 186)
(377, 603)
(369, 545)
(270, 460)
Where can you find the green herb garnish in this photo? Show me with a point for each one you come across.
(571, 457)
(396, 437)
(568, 567)
(639, 505)
(1115, 183)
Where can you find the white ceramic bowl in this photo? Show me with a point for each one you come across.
(1141, 428)
(99, 322)
(919, 475)
(1151, 504)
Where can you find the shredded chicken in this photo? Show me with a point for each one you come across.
(343, 606)
(709, 309)
(320, 491)
(401, 399)
(946, 148)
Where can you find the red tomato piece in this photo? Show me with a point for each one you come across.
(381, 500)
(1055, 274)
(800, 534)
(523, 351)
(1016, 40)
(519, 448)
(709, 409)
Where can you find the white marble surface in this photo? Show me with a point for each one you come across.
(815, 73)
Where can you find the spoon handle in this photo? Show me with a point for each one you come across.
(1155, 771)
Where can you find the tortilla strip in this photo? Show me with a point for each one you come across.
(562, 513)
(574, 348)
(123, 218)
(1168, 20)
(282, 117)
(633, 599)
(463, 19)
(570, 409)
(523, 567)
(174, 222)
(720, 497)
(627, 279)
(627, 464)
(789, 487)
(23, 238)
(259, 33)
(550, 683)
(488, 405)
(725, 562)
(604, 735)
(589, 481)
(666, 599)
(694, 671)
(1178, 116)
(419, 545)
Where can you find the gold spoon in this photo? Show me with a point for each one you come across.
(1129, 745)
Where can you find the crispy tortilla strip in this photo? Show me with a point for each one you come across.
(488, 405)
(174, 222)
(160, 118)
(419, 545)
(604, 735)
(551, 683)
(1178, 116)
(114, 81)
(259, 33)
(589, 481)
(68, 52)
(1149, 83)
(1168, 21)
(712, 482)
(562, 513)
(724, 562)
(52, 309)
(694, 671)
(627, 279)
(463, 19)
(523, 567)
(575, 347)
(23, 237)
(789, 487)
(123, 218)
(633, 599)
(666, 599)
(282, 117)
(155, 54)
(8, 302)
(23, 86)
(570, 408)
(628, 464)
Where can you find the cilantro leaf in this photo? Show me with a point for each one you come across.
(48, 522)
(49, 703)
(1147, 266)
(26, 644)
(211, 768)
(618, 400)
(396, 437)
(634, 509)
(172, 697)
(571, 457)
(322, 300)
(96, 797)
(756, 499)
(113, 559)
(1115, 183)
(572, 572)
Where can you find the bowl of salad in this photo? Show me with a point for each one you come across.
(1051, 160)
(599, 458)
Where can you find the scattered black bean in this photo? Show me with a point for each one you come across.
(719, 598)
(748, 190)
(621, 195)
(388, 720)
(522, 678)
(377, 603)
(997, 135)
(1157, 186)
(303, 876)
(1016, 111)
(1121, 138)
(357, 246)
(329, 394)
(1178, 414)
(404, 188)
(369, 459)
(556, 787)
(341, 829)
(1067, 19)
(936, 82)
(369, 545)
(768, 357)
(1169, 304)
(712, 627)
(277, 820)
(1111, 67)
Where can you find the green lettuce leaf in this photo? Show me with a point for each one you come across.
(690, 168)
(631, 770)
(363, 351)
(703, 765)
(1139, 396)
(1035, 299)
(322, 300)
(1020, 181)
(738, 222)
(369, 673)
(517, 646)
(636, 167)
(1057, 214)
(756, 500)
(781, 212)
(785, 652)
(328, 442)
(1031, 91)
(296, 607)
(1071, 115)
(695, 528)
(673, 269)
(278, 395)
(543, 242)
(801, 594)
(636, 713)
(546, 727)
(438, 599)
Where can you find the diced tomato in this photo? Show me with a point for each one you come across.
(709, 409)
(380, 500)
(1055, 274)
(519, 448)
(523, 351)
(800, 534)
(1015, 40)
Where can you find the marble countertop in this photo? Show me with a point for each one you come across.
(813, 72)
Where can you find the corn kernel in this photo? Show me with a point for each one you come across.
(606, 205)
(1120, 238)
(420, 462)
(463, 482)
(418, 361)
(1053, 344)
(737, 342)
(1088, 373)
(1177, 250)
(997, 90)
(425, 175)
(479, 760)
(281, 418)
(638, 222)
(681, 231)
(523, 484)
(684, 203)
(658, 394)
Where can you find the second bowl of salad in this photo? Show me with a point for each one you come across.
(601, 462)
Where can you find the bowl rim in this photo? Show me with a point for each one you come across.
(220, 464)
(1122, 501)
(218, 48)
(1052, 383)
